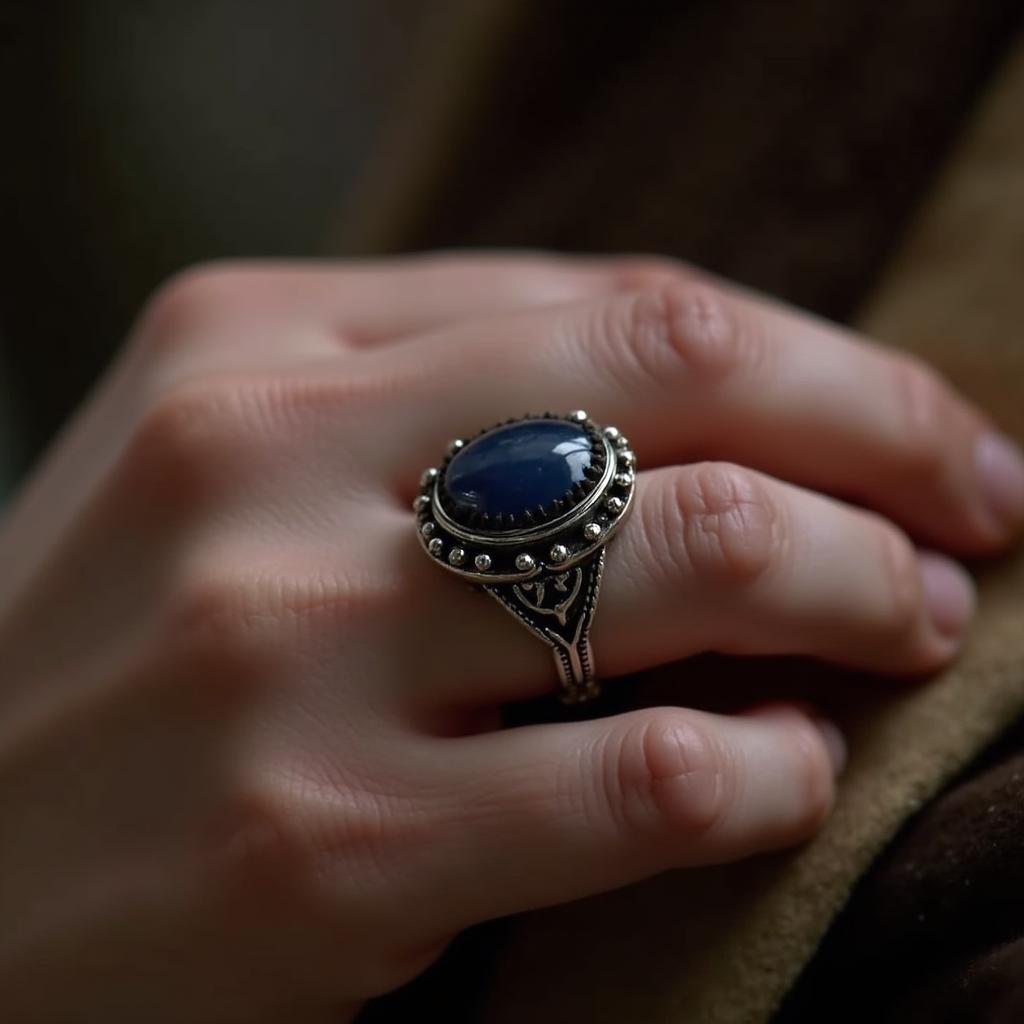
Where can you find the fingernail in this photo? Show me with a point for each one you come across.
(948, 592)
(1000, 465)
(834, 741)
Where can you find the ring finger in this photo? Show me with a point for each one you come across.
(715, 557)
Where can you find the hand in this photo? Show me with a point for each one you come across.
(249, 765)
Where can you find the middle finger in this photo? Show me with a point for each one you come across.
(690, 370)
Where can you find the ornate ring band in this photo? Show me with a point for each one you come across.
(524, 509)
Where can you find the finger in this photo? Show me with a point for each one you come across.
(292, 317)
(691, 370)
(377, 303)
(717, 557)
(290, 306)
(555, 812)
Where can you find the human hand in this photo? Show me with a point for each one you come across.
(249, 766)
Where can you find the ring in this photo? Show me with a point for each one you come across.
(524, 510)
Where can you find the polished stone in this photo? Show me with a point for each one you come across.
(519, 466)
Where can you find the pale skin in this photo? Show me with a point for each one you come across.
(250, 767)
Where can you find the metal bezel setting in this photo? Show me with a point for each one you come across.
(578, 530)
(473, 521)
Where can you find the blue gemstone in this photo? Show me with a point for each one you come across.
(517, 467)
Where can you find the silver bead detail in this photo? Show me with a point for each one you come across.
(558, 553)
(615, 505)
(436, 546)
(422, 501)
(592, 531)
(525, 562)
(456, 556)
(427, 529)
(456, 446)
(429, 476)
(623, 479)
(627, 458)
(578, 416)
(621, 442)
(612, 433)
(482, 561)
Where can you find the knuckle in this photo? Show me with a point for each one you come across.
(193, 298)
(926, 410)
(678, 329)
(703, 331)
(257, 843)
(717, 522)
(902, 577)
(220, 614)
(216, 670)
(304, 401)
(342, 598)
(181, 429)
(274, 854)
(277, 827)
(229, 601)
(184, 445)
(671, 772)
(227, 627)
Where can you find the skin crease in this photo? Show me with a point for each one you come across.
(230, 793)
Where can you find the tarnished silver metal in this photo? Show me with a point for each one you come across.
(546, 570)
(558, 554)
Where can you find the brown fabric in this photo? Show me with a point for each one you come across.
(724, 945)
(935, 933)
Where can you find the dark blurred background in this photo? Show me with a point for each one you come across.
(785, 145)
(143, 136)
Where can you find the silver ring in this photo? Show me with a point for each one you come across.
(524, 510)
